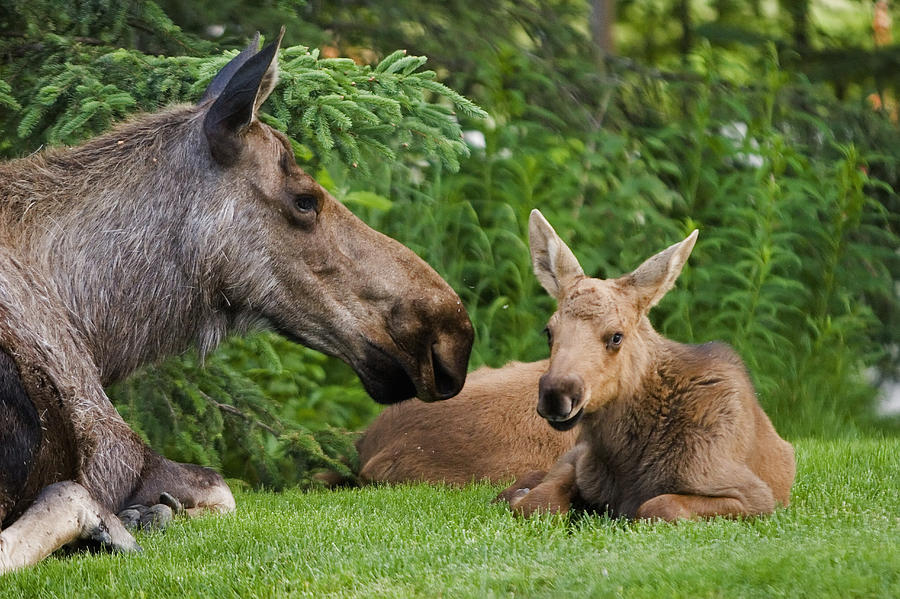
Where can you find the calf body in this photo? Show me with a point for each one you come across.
(490, 431)
(668, 430)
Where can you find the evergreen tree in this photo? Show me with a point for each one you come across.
(70, 70)
(792, 184)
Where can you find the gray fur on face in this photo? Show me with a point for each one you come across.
(140, 237)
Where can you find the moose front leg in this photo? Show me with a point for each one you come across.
(672, 506)
(194, 488)
(523, 485)
(747, 496)
(552, 493)
(63, 512)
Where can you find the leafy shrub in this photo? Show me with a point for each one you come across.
(260, 408)
(793, 193)
(797, 257)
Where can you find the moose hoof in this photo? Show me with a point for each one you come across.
(148, 518)
(109, 534)
(521, 487)
(518, 495)
(172, 502)
(512, 495)
(130, 518)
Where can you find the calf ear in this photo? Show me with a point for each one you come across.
(236, 105)
(554, 263)
(653, 279)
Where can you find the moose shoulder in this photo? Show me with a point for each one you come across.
(668, 430)
(174, 230)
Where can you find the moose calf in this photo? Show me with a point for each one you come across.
(668, 430)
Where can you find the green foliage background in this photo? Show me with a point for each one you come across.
(791, 183)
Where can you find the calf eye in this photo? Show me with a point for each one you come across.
(615, 341)
(305, 202)
(548, 335)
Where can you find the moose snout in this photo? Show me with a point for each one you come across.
(452, 336)
(559, 397)
(449, 361)
(437, 336)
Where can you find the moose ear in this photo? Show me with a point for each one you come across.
(236, 106)
(653, 279)
(215, 87)
(554, 263)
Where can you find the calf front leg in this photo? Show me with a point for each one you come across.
(523, 485)
(672, 506)
(553, 493)
(62, 513)
(747, 496)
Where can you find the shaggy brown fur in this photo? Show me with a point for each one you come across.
(668, 430)
(170, 231)
(489, 431)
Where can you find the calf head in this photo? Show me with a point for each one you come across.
(600, 336)
(293, 256)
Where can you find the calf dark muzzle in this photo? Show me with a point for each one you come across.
(560, 399)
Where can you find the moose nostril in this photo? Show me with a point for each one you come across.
(445, 383)
(558, 397)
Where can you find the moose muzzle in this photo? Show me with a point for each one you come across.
(560, 400)
(435, 338)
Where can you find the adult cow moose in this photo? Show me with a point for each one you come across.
(170, 231)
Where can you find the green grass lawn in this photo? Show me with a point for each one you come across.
(839, 538)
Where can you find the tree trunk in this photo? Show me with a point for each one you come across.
(799, 12)
(683, 10)
(603, 17)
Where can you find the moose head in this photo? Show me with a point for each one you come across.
(185, 225)
(600, 334)
(303, 262)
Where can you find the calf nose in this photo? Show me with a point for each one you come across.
(559, 396)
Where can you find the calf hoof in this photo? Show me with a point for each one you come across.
(521, 487)
(518, 495)
(543, 499)
(531, 503)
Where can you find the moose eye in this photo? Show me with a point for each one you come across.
(548, 335)
(306, 202)
(616, 340)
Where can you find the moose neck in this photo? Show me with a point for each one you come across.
(640, 381)
(113, 226)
